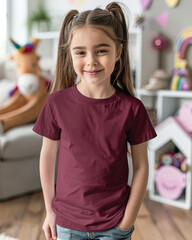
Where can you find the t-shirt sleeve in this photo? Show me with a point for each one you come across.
(46, 124)
(141, 129)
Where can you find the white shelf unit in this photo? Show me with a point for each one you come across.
(171, 134)
(143, 57)
(47, 48)
(166, 102)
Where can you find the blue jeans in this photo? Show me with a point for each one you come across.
(114, 233)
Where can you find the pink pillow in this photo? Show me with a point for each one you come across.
(170, 182)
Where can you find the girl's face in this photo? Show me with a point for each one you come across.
(93, 55)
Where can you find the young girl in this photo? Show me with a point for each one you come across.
(93, 120)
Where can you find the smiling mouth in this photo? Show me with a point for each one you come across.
(93, 72)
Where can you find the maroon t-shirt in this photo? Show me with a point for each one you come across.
(92, 190)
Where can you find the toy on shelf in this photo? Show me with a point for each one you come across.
(185, 116)
(159, 79)
(181, 79)
(175, 159)
(170, 175)
(166, 159)
(29, 95)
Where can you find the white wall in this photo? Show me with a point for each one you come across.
(17, 21)
(180, 18)
(58, 8)
(63, 6)
(18, 13)
(20, 9)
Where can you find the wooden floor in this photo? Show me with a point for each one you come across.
(22, 218)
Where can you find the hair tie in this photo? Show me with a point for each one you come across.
(108, 11)
(76, 16)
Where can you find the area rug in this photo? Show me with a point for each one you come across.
(4, 236)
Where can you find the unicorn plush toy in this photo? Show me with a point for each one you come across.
(29, 95)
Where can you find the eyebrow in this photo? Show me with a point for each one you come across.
(99, 45)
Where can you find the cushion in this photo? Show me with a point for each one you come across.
(20, 143)
(2, 63)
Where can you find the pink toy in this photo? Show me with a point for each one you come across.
(185, 116)
(170, 182)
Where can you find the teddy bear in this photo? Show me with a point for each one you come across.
(29, 95)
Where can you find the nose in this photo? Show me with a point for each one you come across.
(91, 60)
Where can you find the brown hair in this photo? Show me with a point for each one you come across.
(112, 22)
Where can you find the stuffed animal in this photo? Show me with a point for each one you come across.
(29, 95)
(176, 159)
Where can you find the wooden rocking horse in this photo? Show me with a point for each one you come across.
(31, 91)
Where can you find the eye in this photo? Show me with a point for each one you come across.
(80, 53)
(102, 51)
(34, 65)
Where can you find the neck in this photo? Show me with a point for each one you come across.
(96, 91)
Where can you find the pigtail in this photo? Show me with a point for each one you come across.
(121, 76)
(65, 75)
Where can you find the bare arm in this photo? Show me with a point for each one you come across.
(47, 174)
(139, 183)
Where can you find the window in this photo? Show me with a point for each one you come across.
(3, 28)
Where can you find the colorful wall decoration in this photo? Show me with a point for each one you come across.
(145, 4)
(172, 3)
(162, 19)
(77, 3)
(181, 77)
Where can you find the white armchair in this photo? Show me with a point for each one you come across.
(19, 149)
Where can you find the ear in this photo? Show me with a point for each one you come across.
(119, 51)
(35, 41)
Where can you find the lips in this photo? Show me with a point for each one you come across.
(92, 73)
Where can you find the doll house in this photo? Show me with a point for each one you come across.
(169, 184)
